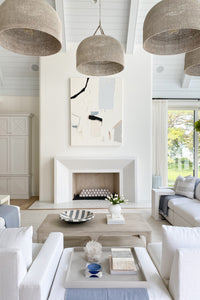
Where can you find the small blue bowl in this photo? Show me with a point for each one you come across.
(94, 268)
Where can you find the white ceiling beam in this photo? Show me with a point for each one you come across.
(60, 10)
(185, 84)
(2, 81)
(133, 12)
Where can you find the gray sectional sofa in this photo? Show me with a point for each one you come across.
(182, 210)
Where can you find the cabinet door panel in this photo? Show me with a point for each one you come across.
(19, 125)
(19, 185)
(4, 125)
(4, 154)
(19, 155)
(4, 186)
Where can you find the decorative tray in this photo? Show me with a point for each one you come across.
(76, 278)
(76, 215)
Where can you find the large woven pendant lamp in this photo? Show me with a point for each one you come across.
(99, 55)
(172, 27)
(30, 27)
(192, 63)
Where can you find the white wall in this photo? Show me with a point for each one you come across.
(55, 72)
(16, 104)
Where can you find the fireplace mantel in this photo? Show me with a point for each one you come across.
(65, 167)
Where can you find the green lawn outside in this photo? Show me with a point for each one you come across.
(174, 172)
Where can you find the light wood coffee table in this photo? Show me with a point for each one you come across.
(135, 225)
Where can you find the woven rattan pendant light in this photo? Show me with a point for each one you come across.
(172, 27)
(30, 27)
(192, 63)
(99, 55)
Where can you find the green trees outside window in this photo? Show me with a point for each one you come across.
(180, 144)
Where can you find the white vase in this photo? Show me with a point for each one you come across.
(115, 211)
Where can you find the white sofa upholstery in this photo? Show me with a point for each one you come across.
(18, 283)
(184, 278)
(182, 211)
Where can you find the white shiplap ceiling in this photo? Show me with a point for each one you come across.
(122, 19)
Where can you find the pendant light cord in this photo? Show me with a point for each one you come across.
(99, 27)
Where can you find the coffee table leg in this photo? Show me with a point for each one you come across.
(148, 238)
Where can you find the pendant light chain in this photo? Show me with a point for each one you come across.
(99, 27)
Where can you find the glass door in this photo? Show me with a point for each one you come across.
(181, 144)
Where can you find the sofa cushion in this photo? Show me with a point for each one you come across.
(185, 186)
(189, 211)
(18, 238)
(177, 202)
(174, 238)
(185, 273)
(197, 192)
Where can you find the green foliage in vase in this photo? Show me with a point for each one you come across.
(116, 199)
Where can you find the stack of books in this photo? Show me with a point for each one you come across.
(122, 261)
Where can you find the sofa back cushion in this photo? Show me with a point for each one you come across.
(185, 274)
(18, 238)
(174, 238)
(185, 186)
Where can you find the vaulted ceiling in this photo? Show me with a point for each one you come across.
(122, 19)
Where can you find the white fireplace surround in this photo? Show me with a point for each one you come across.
(65, 167)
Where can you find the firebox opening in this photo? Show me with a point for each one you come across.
(104, 182)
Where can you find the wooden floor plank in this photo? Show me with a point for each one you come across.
(24, 203)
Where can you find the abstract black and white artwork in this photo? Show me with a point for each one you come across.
(96, 111)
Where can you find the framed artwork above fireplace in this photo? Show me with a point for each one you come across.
(96, 111)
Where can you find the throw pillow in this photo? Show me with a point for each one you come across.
(18, 238)
(197, 192)
(185, 186)
(174, 238)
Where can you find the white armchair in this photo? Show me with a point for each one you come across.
(18, 283)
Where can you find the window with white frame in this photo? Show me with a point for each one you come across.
(183, 141)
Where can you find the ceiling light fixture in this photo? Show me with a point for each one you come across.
(30, 27)
(160, 69)
(192, 63)
(172, 27)
(99, 55)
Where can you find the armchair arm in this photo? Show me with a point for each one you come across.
(185, 272)
(38, 281)
(12, 272)
(156, 193)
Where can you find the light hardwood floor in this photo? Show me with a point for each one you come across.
(24, 203)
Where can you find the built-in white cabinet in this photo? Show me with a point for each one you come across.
(15, 155)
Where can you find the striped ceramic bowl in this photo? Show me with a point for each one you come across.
(76, 215)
